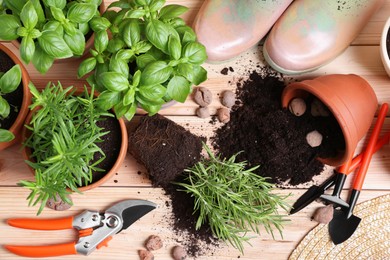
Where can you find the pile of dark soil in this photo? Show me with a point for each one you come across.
(14, 98)
(274, 138)
(166, 149)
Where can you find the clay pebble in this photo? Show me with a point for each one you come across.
(228, 98)
(203, 112)
(145, 255)
(58, 203)
(202, 96)
(178, 253)
(314, 138)
(153, 243)
(324, 214)
(297, 106)
(223, 115)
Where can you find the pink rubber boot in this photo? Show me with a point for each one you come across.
(311, 33)
(229, 27)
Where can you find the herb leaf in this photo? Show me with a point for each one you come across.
(54, 45)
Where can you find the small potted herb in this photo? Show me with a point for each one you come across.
(232, 200)
(70, 144)
(47, 30)
(152, 58)
(15, 97)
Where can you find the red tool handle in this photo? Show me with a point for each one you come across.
(43, 251)
(358, 159)
(42, 224)
(370, 149)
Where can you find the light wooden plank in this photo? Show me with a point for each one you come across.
(157, 222)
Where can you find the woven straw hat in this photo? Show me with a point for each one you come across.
(371, 240)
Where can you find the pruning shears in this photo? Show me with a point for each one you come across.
(95, 229)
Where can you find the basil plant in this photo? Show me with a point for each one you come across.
(152, 57)
(48, 29)
(9, 82)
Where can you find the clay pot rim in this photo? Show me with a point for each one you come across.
(121, 156)
(383, 47)
(24, 108)
(307, 87)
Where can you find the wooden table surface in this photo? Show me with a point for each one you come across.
(361, 58)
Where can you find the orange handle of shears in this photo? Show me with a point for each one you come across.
(42, 224)
(43, 251)
(370, 149)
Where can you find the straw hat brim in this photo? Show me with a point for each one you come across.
(371, 240)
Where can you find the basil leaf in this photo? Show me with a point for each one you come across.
(101, 41)
(69, 27)
(114, 45)
(174, 47)
(124, 54)
(29, 16)
(41, 60)
(195, 52)
(142, 47)
(38, 8)
(54, 45)
(57, 14)
(141, 2)
(6, 136)
(186, 33)
(179, 88)
(120, 4)
(186, 70)
(144, 60)
(84, 28)
(98, 23)
(131, 33)
(4, 108)
(131, 112)
(86, 66)
(153, 92)
(114, 81)
(35, 33)
(156, 5)
(75, 42)
(27, 49)
(81, 12)
(157, 33)
(151, 109)
(55, 3)
(11, 79)
(177, 22)
(135, 13)
(107, 99)
(199, 75)
(120, 66)
(129, 97)
(15, 6)
(172, 11)
(155, 73)
(9, 27)
(136, 78)
(54, 26)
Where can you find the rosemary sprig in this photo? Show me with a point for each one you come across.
(63, 140)
(232, 200)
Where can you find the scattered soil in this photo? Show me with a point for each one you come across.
(273, 137)
(164, 147)
(15, 98)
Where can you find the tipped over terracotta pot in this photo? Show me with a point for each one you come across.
(351, 100)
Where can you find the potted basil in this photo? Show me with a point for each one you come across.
(152, 58)
(48, 30)
(70, 144)
(15, 97)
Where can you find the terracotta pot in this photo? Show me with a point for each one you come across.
(109, 174)
(88, 44)
(18, 124)
(351, 100)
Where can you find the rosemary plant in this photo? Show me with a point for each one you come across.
(63, 141)
(232, 200)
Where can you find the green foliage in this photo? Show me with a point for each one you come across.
(232, 200)
(48, 29)
(63, 141)
(153, 57)
(9, 82)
